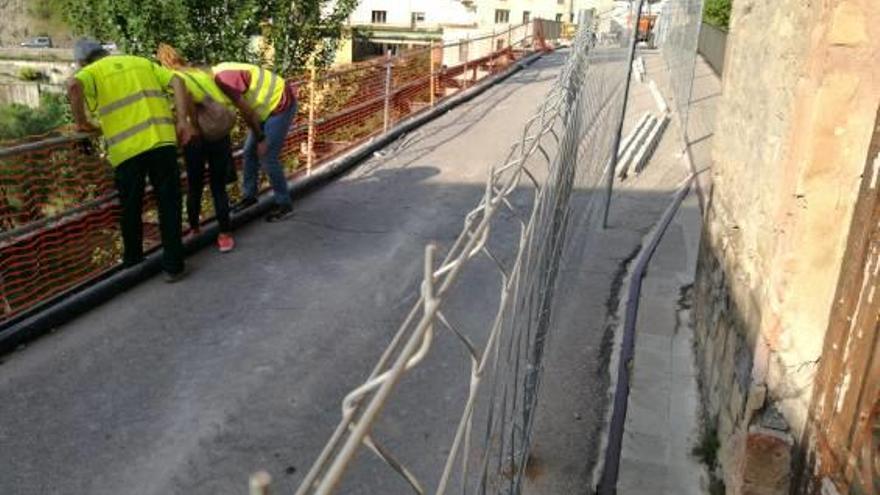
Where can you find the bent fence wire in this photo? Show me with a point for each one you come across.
(679, 33)
(58, 207)
(547, 186)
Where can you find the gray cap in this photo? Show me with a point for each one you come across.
(85, 48)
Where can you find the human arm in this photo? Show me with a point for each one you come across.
(185, 111)
(233, 84)
(251, 118)
(254, 123)
(78, 107)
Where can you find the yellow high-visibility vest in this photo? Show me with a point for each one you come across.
(128, 95)
(201, 84)
(265, 90)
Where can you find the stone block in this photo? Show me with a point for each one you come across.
(848, 25)
(766, 462)
(736, 403)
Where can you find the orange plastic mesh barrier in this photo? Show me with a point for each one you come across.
(58, 208)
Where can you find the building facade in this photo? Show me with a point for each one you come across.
(379, 26)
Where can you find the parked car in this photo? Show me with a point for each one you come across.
(110, 46)
(38, 42)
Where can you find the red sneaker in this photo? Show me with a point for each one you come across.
(225, 243)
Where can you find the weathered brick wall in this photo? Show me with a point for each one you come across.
(799, 96)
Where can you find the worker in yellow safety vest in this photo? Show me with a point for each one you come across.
(268, 104)
(127, 94)
(214, 115)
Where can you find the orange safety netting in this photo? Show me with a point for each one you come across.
(58, 209)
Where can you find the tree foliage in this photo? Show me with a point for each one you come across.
(18, 121)
(211, 31)
(300, 30)
(717, 13)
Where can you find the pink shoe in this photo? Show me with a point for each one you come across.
(225, 243)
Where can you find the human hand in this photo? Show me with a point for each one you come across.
(87, 127)
(186, 133)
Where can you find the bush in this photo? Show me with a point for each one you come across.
(30, 74)
(18, 121)
(717, 13)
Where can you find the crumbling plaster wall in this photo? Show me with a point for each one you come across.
(799, 98)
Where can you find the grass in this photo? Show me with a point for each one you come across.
(706, 451)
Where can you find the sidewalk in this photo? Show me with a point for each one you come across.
(662, 421)
(662, 426)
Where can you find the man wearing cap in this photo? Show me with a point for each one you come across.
(268, 104)
(128, 96)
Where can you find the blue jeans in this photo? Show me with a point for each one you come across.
(275, 128)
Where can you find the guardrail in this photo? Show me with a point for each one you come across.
(58, 207)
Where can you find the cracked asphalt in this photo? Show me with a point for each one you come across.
(189, 388)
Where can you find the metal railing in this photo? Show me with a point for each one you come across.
(680, 30)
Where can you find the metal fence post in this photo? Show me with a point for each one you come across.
(310, 147)
(432, 83)
(612, 167)
(387, 115)
(467, 56)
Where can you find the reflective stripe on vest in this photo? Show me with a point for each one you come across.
(262, 97)
(132, 106)
(131, 131)
(258, 99)
(131, 99)
(201, 84)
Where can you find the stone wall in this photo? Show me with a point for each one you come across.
(799, 96)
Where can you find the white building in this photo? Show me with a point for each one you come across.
(382, 25)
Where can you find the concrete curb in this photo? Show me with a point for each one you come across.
(64, 307)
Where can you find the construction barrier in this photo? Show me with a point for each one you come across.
(58, 206)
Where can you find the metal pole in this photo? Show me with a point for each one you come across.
(467, 56)
(612, 167)
(310, 148)
(387, 115)
(433, 83)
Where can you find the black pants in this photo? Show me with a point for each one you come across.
(218, 156)
(160, 165)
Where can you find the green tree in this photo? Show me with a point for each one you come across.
(717, 13)
(18, 121)
(300, 30)
(211, 31)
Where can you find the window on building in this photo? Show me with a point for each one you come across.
(380, 16)
(418, 18)
(502, 16)
(558, 17)
(527, 16)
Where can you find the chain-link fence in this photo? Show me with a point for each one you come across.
(678, 34)
(58, 207)
(552, 181)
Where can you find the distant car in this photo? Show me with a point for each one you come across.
(38, 42)
(110, 47)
